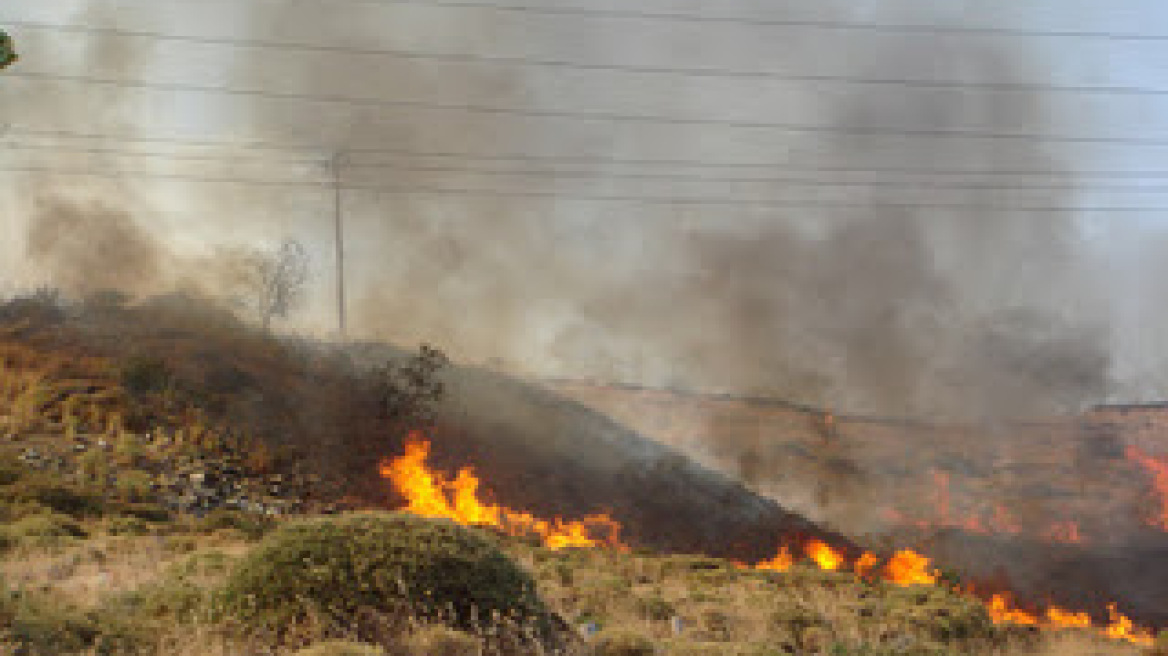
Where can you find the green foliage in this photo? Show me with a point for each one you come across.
(341, 648)
(41, 625)
(57, 496)
(251, 526)
(145, 374)
(128, 526)
(333, 568)
(135, 485)
(623, 643)
(408, 391)
(8, 54)
(45, 530)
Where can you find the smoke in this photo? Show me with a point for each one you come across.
(876, 308)
(86, 248)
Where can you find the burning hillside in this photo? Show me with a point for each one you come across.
(430, 493)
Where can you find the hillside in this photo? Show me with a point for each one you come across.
(1069, 508)
(147, 447)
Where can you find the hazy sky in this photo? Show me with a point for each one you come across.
(598, 240)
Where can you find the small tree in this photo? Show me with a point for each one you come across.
(278, 280)
(408, 390)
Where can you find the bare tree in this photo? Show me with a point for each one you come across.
(278, 280)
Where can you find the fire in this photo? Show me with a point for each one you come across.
(866, 564)
(1120, 627)
(1002, 611)
(827, 558)
(909, 568)
(1158, 470)
(782, 561)
(430, 493)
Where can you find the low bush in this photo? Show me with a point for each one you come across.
(47, 530)
(333, 569)
(623, 643)
(250, 525)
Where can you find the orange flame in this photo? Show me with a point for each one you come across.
(909, 568)
(1002, 610)
(782, 561)
(866, 564)
(828, 559)
(430, 493)
(1121, 628)
(1158, 470)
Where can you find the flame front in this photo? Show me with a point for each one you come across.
(430, 493)
(782, 561)
(1158, 470)
(827, 558)
(909, 568)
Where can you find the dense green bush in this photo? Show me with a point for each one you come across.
(335, 568)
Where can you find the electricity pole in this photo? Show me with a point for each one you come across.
(339, 222)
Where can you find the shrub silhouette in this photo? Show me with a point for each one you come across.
(338, 568)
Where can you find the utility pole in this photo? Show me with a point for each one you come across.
(339, 222)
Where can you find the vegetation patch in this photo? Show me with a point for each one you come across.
(334, 569)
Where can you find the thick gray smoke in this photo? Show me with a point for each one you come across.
(872, 308)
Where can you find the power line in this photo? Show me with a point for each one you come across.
(210, 143)
(1069, 185)
(613, 117)
(567, 64)
(621, 176)
(750, 21)
(119, 152)
(636, 199)
(600, 160)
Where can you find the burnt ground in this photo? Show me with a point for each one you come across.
(992, 502)
(533, 449)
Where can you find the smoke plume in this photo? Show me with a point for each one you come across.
(879, 306)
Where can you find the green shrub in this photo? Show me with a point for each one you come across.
(94, 466)
(45, 530)
(127, 526)
(135, 485)
(149, 512)
(341, 648)
(65, 499)
(623, 643)
(442, 641)
(333, 567)
(252, 526)
(41, 625)
(145, 374)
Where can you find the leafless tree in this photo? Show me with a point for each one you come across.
(278, 280)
